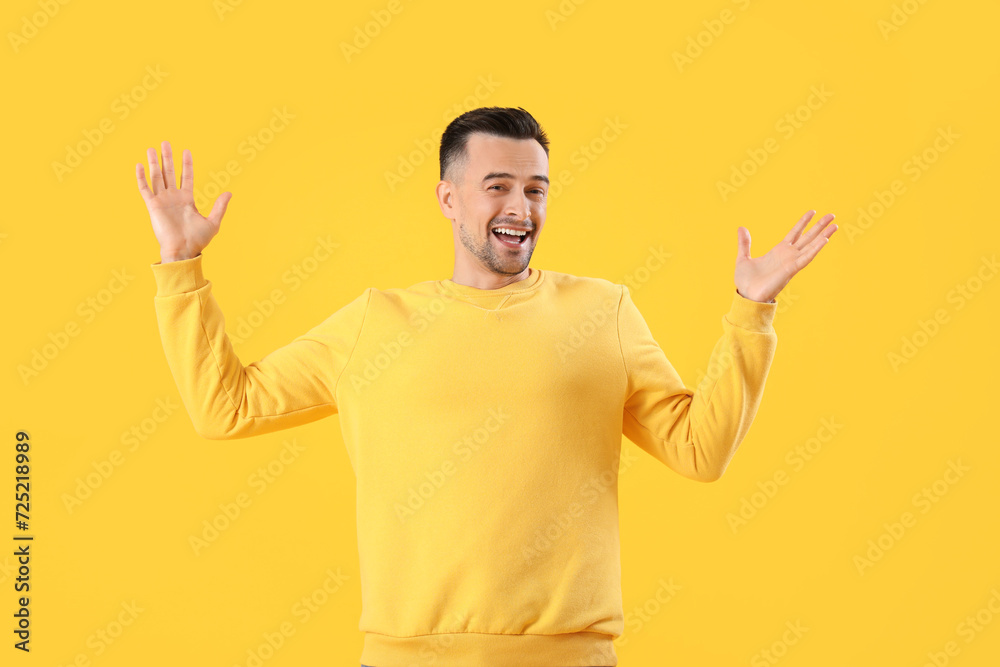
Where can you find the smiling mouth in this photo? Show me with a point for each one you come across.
(509, 240)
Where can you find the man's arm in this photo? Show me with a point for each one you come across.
(293, 385)
(696, 432)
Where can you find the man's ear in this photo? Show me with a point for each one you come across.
(446, 198)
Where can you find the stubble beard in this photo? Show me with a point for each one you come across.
(486, 253)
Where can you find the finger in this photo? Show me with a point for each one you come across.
(793, 234)
(811, 234)
(187, 171)
(219, 208)
(143, 188)
(169, 177)
(155, 176)
(743, 243)
(811, 251)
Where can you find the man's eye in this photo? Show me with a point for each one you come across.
(536, 190)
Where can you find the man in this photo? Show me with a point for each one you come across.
(482, 414)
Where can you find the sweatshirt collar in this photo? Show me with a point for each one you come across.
(530, 283)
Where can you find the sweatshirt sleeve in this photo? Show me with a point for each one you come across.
(696, 432)
(292, 385)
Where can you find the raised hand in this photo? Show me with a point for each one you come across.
(181, 231)
(761, 278)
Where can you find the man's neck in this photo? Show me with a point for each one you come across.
(488, 280)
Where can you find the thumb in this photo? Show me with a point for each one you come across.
(219, 208)
(742, 243)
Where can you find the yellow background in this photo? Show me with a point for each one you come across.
(683, 130)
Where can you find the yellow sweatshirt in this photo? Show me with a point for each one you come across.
(484, 428)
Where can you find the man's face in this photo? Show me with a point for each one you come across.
(502, 184)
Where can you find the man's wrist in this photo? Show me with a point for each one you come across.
(774, 300)
(176, 257)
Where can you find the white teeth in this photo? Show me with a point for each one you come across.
(509, 231)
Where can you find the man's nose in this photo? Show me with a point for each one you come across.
(517, 207)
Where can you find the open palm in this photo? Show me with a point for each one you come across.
(761, 278)
(181, 231)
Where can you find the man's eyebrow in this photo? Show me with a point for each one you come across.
(504, 174)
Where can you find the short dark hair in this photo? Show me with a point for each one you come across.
(506, 122)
